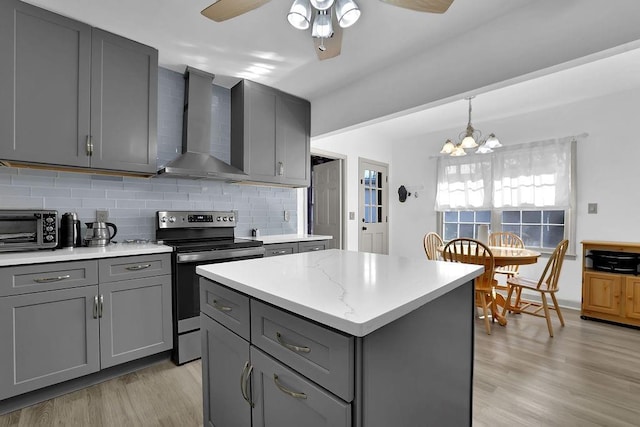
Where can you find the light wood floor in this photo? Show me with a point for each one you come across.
(587, 375)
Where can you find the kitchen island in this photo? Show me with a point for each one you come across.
(337, 338)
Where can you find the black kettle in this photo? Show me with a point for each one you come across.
(70, 234)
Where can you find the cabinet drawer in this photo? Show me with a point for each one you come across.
(321, 354)
(319, 245)
(281, 249)
(228, 307)
(134, 267)
(47, 277)
(283, 397)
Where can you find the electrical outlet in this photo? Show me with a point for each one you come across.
(592, 208)
(287, 216)
(102, 215)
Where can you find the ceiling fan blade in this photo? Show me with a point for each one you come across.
(431, 6)
(332, 45)
(227, 9)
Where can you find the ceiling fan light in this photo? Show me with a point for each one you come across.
(448, 147)
(322, 27)
(468, 142)
(492, 142)
(299, 15)
(347, 12)
(322, 4)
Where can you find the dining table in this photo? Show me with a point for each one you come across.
(503, 256)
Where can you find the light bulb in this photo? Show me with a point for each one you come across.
(299, 15)
(322, 4)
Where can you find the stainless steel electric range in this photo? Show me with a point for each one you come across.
(197, 237)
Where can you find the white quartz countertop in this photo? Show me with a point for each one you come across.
(353, 292)
(74, 254)
(285, 238)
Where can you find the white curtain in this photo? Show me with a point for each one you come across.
(532, 175)
(464, 183)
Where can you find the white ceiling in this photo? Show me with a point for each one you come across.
(262, 46)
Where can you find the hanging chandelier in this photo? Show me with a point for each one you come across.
(302, 12)
(470, 138)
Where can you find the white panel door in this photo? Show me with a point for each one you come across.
(327, 201)
(373, 207)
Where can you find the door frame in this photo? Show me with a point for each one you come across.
(361, 198)
(343, 184)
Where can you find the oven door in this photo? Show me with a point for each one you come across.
(20, 231)
(186, 289)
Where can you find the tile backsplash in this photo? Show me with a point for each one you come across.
(132, 202)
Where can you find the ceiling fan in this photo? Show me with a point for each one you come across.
(327, 24)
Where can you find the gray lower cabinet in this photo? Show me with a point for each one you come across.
(64, 320)
(48, 337)
(270, 393)
(275, 249)
(290, 371)
(270, 134)
(80, 96)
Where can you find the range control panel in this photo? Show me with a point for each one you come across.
(196, 219)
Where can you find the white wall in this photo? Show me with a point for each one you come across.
(608, 169)
(353, 149)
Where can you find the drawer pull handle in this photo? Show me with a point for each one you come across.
(138, 267)
(292, 347)
(280, 252)
(51, 279)
(220, 307)
(244, 382)
(316, 248)
(287, 391)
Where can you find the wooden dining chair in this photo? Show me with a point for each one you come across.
(431, 243)
(547, 284)
(509, 240)
(472, 251)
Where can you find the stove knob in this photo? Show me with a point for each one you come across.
(49, 228)
(48, 237)
(172, 219)
(219, 219)
(163, 219)
(48, 220)
(231, 218)
(224, 218)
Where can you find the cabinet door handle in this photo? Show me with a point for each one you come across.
(280, 168)
(292, 347)
(51, 279)
(285, 390)
(95, 307)
(220, 307)
(101, 306)
(89, 145)
(244, 382)
(138, 267)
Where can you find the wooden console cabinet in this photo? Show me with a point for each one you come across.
(610, 296)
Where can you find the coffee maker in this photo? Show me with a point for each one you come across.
(70, 234)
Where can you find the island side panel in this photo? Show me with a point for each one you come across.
(418, 370)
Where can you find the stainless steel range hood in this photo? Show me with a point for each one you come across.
(195, 160)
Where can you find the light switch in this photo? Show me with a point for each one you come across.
(592, 208)
(352, 215)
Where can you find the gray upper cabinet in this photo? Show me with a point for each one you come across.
(124, 90)
(79, 96)
(270, 134)
(45, 81)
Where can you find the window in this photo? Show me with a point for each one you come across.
(463, 223)
(527, 189)
(540, 229)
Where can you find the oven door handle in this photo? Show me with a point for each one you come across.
(226, 254)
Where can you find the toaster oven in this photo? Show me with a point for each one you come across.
(28, 229)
